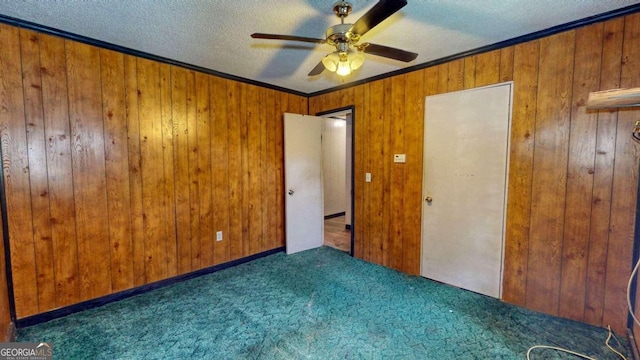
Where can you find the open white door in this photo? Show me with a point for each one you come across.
(303, 182)
(465, 173)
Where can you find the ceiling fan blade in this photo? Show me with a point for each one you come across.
(287, 37)
(376, 15)
(317, 70)
(389, 52)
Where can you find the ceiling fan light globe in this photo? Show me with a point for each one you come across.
(344, 68)
(331, 61)
(356, 60)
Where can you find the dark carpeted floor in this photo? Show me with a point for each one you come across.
(319, 304)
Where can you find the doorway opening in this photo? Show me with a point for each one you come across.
(337, 167)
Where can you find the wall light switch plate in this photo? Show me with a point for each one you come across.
(367, 177)
(400, 158)
(219, 236)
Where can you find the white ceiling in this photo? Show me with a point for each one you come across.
(215, 34)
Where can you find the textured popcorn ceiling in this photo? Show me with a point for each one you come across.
(216, 34)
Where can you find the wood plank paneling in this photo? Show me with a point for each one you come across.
(32, 83)
(377, 154)
(235, 169)
(550, 171)
(152, 169)
(506, 63)
(168, 243)
(488, 68)
(264, 169)
(116, 167)
(469, 72)
(89, 180)
(135, 168)
(456, 75)
(271, 197)
(582, 144)
(443, 77)
(15, 165)
(254, 171)
(526, 58)
(192, 160)
(366, 161)
(387, 163)
(58, 138)
(393, 254)
(603, 174)
(220, 158)
(181, 169)
(244, 170)
(203, 171)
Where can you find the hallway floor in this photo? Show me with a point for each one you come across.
(335, 234)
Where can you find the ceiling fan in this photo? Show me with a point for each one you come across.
(349, 53)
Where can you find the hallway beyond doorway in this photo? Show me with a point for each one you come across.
(336, 235)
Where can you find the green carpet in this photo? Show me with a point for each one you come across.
(318, 304)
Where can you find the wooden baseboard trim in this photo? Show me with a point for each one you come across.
(334, 215)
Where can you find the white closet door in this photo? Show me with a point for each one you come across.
(464, 191)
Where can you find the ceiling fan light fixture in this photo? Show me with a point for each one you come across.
(344, 68)
(331, 61)
(356, 60)
(343, 62)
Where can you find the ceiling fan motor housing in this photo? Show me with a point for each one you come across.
(339, 34)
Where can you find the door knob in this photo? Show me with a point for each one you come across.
(290, 192)
(428, 199)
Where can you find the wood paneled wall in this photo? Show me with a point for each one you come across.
(573, 173)
(119, 170)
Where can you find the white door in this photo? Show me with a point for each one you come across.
(466, 139)
(304, 223)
